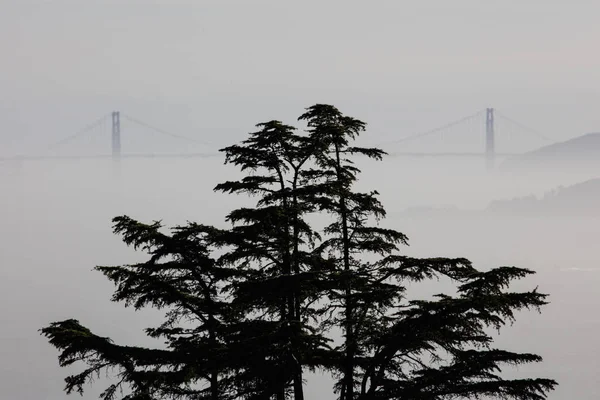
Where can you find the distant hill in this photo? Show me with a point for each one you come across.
(582, 151)
(582, 198)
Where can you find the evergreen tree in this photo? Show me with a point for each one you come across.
(349, 237)
(369, 284)
(183, 278)
(269, 240)
(251, 307)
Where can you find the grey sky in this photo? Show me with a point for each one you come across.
(214, 68)
(211, 70)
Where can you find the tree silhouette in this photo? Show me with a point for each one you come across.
(250, 308)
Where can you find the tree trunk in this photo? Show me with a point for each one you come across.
(214, 386)
(214, 374)
(348, 379)
(298, 388)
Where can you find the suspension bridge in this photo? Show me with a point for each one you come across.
(482, 129)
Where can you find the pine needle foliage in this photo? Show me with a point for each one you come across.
(250, 308)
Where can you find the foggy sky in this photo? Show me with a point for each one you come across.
(212, 69)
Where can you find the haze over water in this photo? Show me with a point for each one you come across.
(210, 70)
(57, 227)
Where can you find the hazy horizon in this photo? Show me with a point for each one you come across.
(211, 70)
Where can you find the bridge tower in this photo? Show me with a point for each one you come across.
(116, 135)
(490, 151)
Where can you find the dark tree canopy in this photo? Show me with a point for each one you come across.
(250, 308)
